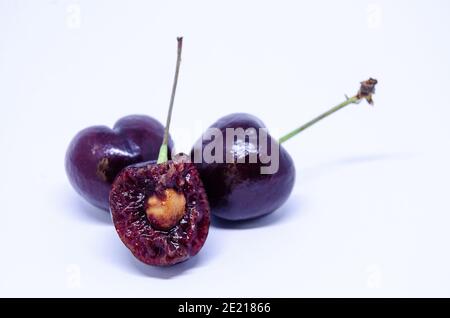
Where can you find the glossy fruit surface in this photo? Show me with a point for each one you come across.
(238, 191)
(98, 153)
(132, 197)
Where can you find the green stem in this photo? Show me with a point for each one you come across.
(163, 151)
(352, 100)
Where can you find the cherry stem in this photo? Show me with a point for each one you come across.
(163, 151)
(317, 119)
(365, 92)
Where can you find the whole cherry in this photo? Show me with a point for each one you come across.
(238, 190)
(97, 154)
(236, 186)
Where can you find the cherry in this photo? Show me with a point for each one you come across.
(237, 189)
(97, 154)
(160, 209)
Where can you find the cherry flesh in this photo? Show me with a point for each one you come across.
(161, 211)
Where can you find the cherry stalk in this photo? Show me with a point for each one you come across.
(366, 91)
(163, 151)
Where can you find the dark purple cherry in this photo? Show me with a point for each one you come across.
(97, 154)
(160, 209)
(237, 190)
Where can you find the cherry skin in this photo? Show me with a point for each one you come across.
(97, 154)
(238, 191)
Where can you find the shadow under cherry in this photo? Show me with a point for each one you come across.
(118, 254)
(82, 210)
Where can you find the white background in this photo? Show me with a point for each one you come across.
(370, 212)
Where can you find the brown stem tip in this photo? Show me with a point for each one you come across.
(367, 89)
